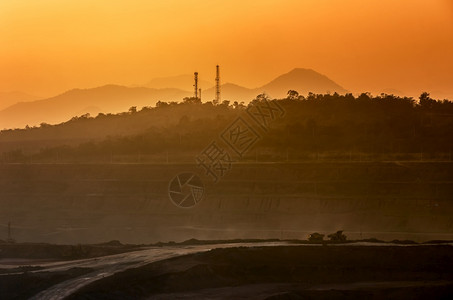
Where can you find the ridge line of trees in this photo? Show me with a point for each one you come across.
(315, 124)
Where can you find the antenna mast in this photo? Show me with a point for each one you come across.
(217, 85)
(196, 84)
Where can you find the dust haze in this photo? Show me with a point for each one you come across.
(226, 150)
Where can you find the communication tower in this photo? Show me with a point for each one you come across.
(217, 85)
(196, 85)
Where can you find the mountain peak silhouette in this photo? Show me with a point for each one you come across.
(115, 98)
(299, 79)
(303, 81)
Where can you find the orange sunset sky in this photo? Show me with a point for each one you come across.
(50, 46)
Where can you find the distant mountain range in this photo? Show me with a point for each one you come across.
(106, 99)
(8, 99)
(301, 80)
(114, 98)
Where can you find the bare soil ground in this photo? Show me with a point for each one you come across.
(288, 272)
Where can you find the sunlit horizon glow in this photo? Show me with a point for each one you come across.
(50, 46)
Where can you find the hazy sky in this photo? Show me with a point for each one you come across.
(49, 46)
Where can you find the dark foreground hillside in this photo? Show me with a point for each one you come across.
(295, 272)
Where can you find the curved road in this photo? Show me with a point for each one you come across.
(109, 265)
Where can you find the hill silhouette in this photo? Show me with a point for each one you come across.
(299, 79)
(109, 98)
(303, 81)
(115, 98)
(10, 98)
(330, 125)
(232, 92)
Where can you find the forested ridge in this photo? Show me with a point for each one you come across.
(318, 126)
